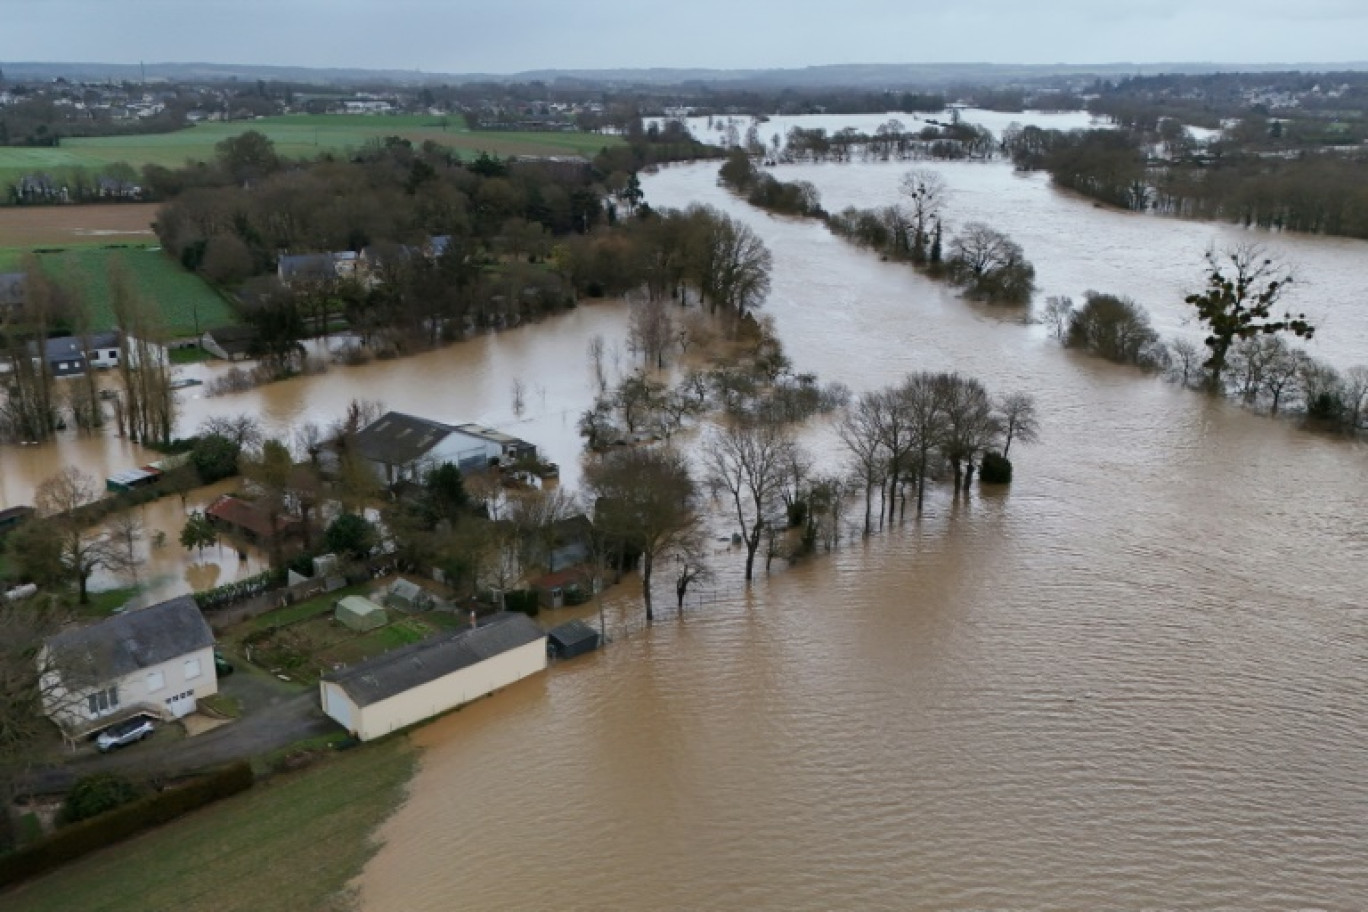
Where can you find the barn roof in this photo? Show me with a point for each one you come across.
(398, 439)
(139, 639)
(416, 664)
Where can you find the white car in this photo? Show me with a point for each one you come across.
(125, 732)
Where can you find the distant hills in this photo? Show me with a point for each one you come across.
(863, 76)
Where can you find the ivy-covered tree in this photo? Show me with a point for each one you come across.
(1242, 286)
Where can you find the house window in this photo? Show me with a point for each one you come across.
(61, 365)
(192, 669)
(155, 681)
(103, 702)
(113, 353)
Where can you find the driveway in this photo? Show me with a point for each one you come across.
(275, 716)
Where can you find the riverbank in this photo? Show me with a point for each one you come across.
(291, 843)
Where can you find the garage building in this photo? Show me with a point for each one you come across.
(425, 679)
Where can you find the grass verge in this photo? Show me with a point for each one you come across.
(291, 843)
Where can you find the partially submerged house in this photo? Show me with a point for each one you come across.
(425, 679)
(230, 343)
(130, 480)
(250, 522)
(400, 447)
(157, 661)
(67, 356)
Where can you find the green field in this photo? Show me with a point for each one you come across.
(291, 844)
(295, 136)
(183, 298)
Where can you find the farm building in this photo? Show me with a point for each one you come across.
(571, 639)
(425, 679)
(158, 660)
(132, 479)
(359, 613)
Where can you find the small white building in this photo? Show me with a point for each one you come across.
(425, 679)
(157, 660)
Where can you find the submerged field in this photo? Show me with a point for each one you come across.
(295, 136)
(292, 843)
(183, 299)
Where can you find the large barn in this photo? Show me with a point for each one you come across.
(425, 679)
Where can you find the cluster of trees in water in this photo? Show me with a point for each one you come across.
(1317, 192)
(984, 262)
(1245, 356)
(950, 140)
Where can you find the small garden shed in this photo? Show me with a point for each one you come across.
(359, 613)
(407, 595)
(571, 639)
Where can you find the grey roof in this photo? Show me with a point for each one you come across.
(398, 439)
(61, 347)
(12, 288)
(138, 639)
(307, 266)
(418, 663)
(571, 633)
(235, 340)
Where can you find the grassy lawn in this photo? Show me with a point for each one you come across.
(309, 642)
(291, 843)
(189, 355)
(102, 604)
(295, 136)
(183, 298)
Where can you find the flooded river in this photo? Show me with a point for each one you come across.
(1135, 681)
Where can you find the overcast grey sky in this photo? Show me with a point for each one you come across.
(504, 36)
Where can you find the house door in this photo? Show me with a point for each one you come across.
(182, 704)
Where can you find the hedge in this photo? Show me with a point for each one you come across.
(78, 839)
(240, 591)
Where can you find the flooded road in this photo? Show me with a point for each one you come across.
(1136, 680)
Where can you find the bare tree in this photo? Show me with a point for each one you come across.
(149, 403)
(691, 566)
(31, 679)
(59, 501)
(1058, 316)
(926, 194)
(1016, 414)
(596, 353)
(859, 430)
(519, 390)
(645, 501)
(243, 429)
(1184, 360)
(651, 330)
(125, 532)
(751, 463)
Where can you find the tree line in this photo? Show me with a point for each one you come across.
(1318, 192)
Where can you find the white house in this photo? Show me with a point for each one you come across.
(425, 679)
(402, 447)
(158, 660)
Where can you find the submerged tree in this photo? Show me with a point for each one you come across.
(1242, 286)
(645, 502)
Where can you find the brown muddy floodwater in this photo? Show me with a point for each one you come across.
(1136, 680)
